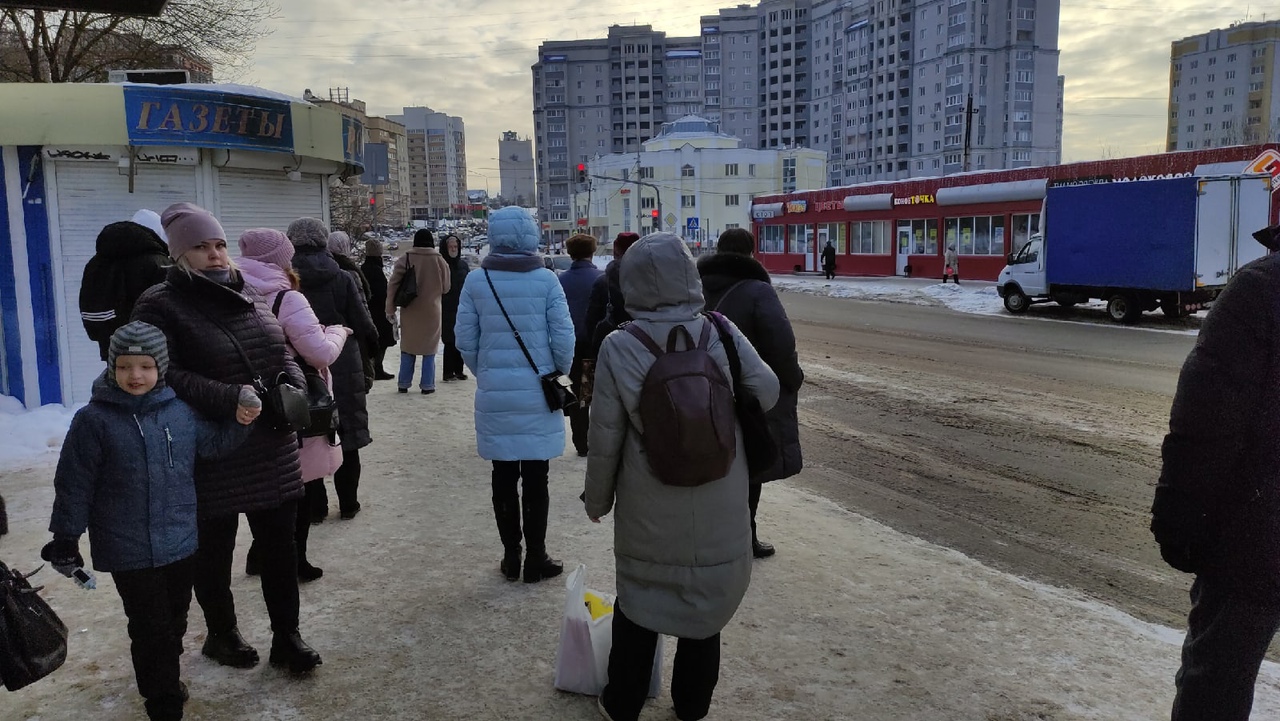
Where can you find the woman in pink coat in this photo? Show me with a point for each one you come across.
(265, 257)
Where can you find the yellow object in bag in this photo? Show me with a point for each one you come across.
(596, 605)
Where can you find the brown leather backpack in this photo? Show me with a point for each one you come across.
(686, 405)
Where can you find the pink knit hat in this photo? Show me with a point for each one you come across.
(189, 225)
(267, 246)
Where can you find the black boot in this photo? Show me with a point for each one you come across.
(536, 503)
(507, 514)
(229, 649)
(536, 570)
(346, 482)
(510, 565)
(288, 649)
(316, 505)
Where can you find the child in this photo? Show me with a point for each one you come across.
(126, 473)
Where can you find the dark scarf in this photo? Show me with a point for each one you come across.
(513, 263)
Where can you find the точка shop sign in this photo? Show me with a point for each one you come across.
(177, 116)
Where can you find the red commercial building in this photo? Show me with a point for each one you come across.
(904, 227)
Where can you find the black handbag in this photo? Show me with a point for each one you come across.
(556, 386)
(761, 447)
(322, 409)
(407, 291)
(33, 640)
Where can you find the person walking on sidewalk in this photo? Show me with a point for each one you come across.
(515, 429)
(683, 553)
(141, 516)
(221, 336)
(951, 265)
(828, 259)
(577, 282)
(421, 321)
(458, 269)
(1216, 512)
(335, 297)
(266, 257)
(376, 277)
(736, 285)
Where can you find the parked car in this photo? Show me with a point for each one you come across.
(558, 263)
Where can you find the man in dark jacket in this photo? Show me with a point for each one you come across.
(1217, 505)
(737, 286)
(578, 281)
(129, 258)
(605, 312)
(829, 261)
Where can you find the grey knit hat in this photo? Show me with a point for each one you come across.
(308, 233)
(139, 338)
(339, 243)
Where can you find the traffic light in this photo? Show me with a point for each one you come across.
(582, 173)
(654, 214)
(372, 201)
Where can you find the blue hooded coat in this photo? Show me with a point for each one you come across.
(513, 422)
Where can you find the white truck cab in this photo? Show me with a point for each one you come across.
(1025, 270)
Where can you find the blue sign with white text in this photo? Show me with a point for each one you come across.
(177, 116)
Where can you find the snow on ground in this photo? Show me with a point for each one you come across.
(31, 436)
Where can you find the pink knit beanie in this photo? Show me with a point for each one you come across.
(188, 225)
(267, 246)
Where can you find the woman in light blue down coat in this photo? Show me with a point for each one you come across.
(514, 427)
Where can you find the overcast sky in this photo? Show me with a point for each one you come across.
(472, 58)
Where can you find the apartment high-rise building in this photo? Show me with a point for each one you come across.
(1224, 87)
(516, 170)
(437, 163)
(729, 58)
(392, 199)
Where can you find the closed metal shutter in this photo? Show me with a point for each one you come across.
(266, 199)
(91, 195)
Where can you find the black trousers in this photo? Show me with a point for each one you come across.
(273, 531)
(579, 425)
(753, 502)
(693, 677)
(156, 601)
(1227, 637)
(509, 505)
(346, 480)
(453, 365)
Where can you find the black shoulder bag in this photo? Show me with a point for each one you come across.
(762, 449)
(556, 386)
(323, 409)
(33, 640)
(407, 291)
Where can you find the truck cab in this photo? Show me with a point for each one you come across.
(1023, 278)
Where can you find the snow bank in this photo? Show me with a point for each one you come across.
(31, 437)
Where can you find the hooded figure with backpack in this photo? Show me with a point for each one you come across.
(682, 540)
(130, 257)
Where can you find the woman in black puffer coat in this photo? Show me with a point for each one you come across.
(336, 299)
(376, 276)
(205, 310)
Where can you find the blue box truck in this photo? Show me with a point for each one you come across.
(1139, 245)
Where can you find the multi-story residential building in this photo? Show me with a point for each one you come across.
(392, 199)
(690, 179)
(730, 61)
(1224, 87)
(516, 170)
(437, 163)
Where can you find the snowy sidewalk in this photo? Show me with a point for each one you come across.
(850, 620)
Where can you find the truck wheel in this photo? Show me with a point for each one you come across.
(1172, 308)
(1015, 301)
(1124, 309)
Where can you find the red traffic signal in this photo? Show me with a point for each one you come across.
(582, 172)
(373, 200)
(654, 213)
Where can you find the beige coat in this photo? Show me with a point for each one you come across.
(420, 320)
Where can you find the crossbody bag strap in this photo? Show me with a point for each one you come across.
(257, 377)
(519, 340)
(730, 349)
(726, 294)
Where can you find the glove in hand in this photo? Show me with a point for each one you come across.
(63, 554)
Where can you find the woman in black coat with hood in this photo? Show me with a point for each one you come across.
(335, 297)
(451, 249)
(376, 276)
(736, 285)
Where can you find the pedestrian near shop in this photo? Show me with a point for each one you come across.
(577, 282)
(451, 249)
(735, 284)
(335, 297)
(140, 515)
(376, 276)
(951, 265)
(1216, 512)
(129, 257)
(221, 336)
(828, 260)
(515, 428)
(266, 258)
(421, 321)
(683, 552)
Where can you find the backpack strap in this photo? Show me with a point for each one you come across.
(275, 307)
(644, 338)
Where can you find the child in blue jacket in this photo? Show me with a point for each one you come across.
(126, 474)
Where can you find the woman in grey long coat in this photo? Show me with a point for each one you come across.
(683, 553)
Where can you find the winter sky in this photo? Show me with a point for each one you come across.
(472, 58)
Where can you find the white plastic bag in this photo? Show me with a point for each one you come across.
(586, 637)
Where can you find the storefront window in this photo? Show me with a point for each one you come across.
(924, 237)
(771, 239)
(798, 236)
(871, 237)
(1024, 226)
(836, 233)
(980, 235)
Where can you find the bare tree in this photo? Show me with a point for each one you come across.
(42, 46)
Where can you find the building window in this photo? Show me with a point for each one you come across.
(982, 235)
(731, 169)
(799, 237)
(646, 171)
(686, 171)
(731, 200)
(688, 201)
(771, 239)
(869, 237)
